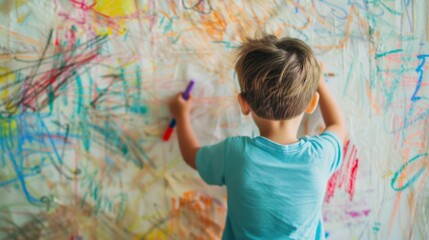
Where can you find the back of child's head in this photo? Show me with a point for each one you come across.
(277, 77)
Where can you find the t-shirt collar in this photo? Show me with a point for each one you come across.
(279, 147)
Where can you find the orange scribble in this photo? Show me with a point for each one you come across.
(343, 41)
(196, 216)
(215, 26)
(371, 99)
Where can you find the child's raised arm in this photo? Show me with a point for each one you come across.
(331, 113)
(188, 143)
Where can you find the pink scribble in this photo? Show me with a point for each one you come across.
(352, 181)
(346, 175)
(363, 213)
(82, 4)
(332, 183)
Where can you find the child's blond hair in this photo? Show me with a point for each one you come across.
(277, 77)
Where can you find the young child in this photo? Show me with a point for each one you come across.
(275, 182)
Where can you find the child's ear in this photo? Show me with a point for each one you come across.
(244, 106)
(313, 103)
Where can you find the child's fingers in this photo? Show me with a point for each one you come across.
(181, 99)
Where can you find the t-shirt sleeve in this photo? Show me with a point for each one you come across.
(211, 163)
(333, 150)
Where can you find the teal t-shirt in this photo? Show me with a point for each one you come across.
(274, 191)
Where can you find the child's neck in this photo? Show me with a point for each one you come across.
(282, 131)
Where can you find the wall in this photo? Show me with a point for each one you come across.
(84, 87)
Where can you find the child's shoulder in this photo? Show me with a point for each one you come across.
(327, 143)
(324, 137)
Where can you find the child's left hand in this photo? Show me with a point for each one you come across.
(180, 107)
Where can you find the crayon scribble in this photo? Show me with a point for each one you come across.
(83, 93)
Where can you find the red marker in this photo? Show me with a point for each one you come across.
(170, 128)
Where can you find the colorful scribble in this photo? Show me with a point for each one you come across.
(83, 92)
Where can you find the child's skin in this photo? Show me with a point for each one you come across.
(281, 131)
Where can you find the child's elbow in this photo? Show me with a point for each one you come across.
(340, 129)
(190, 158)
(191, 162)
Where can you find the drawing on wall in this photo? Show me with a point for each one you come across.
(83, 92)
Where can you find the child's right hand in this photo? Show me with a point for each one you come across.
(331, 112)
(180, 107)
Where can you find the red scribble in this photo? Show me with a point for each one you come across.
(56, 78)
(88, 12)
(82, 5)
(72, 19)
(346, 175)
(42, 87)
(332, 184)
(352, 181)
(84, 9)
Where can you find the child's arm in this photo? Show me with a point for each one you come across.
(331, 112)
(188, 143)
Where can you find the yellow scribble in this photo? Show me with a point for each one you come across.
(6, 77)
(115, 8)
(158, 234)
(8, 127)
